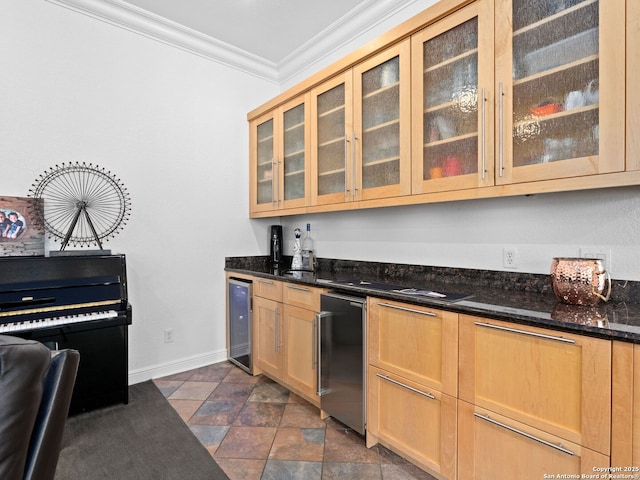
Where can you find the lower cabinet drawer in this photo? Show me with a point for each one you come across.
(266, 288)
(415, 422)
(494, 447)
(302, 296)
(557, 382)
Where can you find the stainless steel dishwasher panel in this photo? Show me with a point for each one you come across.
(341, 366)
(239, 310)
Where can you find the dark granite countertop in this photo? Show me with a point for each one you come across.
(515, 297)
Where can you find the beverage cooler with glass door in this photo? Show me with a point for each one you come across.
(239, 311)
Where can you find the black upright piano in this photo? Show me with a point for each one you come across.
(77, 302)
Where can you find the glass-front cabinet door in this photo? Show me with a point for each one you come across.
(382, 121)
(559, 88)
(453, 114)
(294, 184)
(262, 155)
(332, 140)
(360, 141)
(279, 158)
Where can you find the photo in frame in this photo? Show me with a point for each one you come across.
(21, 234)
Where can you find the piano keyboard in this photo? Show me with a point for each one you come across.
(56, 321)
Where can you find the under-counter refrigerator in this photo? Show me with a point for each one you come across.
(341, 372)
(239, 311)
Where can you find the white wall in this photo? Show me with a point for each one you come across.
(473, 234)
(172, 126)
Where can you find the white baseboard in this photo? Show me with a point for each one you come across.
(177, 366)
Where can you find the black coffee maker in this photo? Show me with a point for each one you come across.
(275, 258)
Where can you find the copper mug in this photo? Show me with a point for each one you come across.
(580, 281)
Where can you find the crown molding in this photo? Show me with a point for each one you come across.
(143, 22)
(355, 23)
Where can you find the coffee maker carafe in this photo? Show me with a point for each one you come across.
(275, 257)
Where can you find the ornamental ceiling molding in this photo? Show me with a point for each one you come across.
(150, 25)
(122, 14)
(366, 16)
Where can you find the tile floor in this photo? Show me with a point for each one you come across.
(257, 430)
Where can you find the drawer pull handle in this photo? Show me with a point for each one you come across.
(266, 282)
(293, 287)
(415, 390)
(405, 309)
(524, 332)
(524, 434)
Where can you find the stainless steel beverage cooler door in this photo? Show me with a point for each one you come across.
(341, 381)
(239, 323)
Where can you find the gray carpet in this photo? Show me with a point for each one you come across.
(145, 439)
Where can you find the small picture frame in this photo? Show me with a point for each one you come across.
(21, 233)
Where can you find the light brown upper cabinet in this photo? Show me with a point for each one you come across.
(279, 142)
(633, 91)
(559, 89)
(452, 62)
(360, 135)
(468, 99)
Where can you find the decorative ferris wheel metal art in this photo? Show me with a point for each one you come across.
(83, 204)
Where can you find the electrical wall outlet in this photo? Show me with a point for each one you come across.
(510, 257)
(168, 335)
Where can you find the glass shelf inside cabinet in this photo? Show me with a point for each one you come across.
(332, 150)
(265, 162)
(450, 118)
(381, 125)
(556, 81)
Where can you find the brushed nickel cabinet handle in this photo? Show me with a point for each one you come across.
(524, 332)
(500, 131)
(274, 176)
(405, 309)
(346, 160)
(276, 181)
(277, 331)
(294, 287)
(266, 282)
(353, 164)
(314, 342)
(486, 418)
(400, 384)
(483, 139)
(319, 317)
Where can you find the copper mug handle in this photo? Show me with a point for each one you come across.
(600, 296)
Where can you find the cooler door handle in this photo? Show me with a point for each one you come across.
(319, 317)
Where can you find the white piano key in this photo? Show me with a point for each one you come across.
(56, 321)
